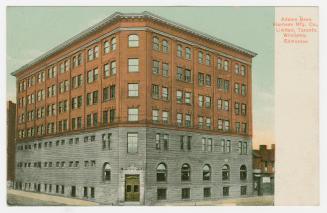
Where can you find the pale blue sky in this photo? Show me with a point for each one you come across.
(32, 31)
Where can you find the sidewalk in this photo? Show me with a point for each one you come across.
(23, 198)
(267, 200)
(56, 200)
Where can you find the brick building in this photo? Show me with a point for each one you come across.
(136, 109)
(11, 132)
(264, 169)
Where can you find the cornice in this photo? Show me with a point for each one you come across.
(117, 16)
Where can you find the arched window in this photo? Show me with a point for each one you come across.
(133, 41)
(243, 172)
(206, 171)
(186, 172)
(200, 57)
(179, 50)
(208, 59)
(219, 63)
(113, 43)
(237, 69)
(243, 70)
(161, 172)
(106, 47)
(188, 53)
(106, 171)
(155, 43)
(225, 172)
(226, 65)
(165, 46)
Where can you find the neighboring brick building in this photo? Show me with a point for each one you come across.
(264, 169)
(11, 131)
(137, 109)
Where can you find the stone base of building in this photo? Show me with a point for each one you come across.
(102, 166)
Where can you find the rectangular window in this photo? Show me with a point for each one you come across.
(179, 96)
(201, 79)
(165, 117)
(188, 77)
(226, 125)
(85, 194)
(112, 91)
(179, 119)
(185, 193)
(155, 115)
(188, 98)
(179, 73)
(155, 91)
(189, 141)
(226, 85)
(243, 109)
(209, 144)
(200, 121)
(132, 142)
(208, 123)
(133, 65)
(200, 101)
(240, 147)
(244, 128)
(165, 141)
(220, 83)
(157, 139)
(155, 67)
(237, 108)
(220, 124)
(245, 148)
(243, 90)
(133, 114)
(112, 113)
(237, 127)
(243, 190)
(161, 194)
(226, 105)
(208, 101)
(227, 146)
(225, 191)
(164, 93)
(106, 70)
(208, 80)
(92, 192)
(113, 68)
(237, 88)
(206, 192)
(165, 69)
(88, 120)
(188, 122)
(106, 94)
(203, 144)
(133, 90)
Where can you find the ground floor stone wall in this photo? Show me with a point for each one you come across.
(85, 179)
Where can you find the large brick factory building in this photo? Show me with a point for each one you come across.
(136, 109)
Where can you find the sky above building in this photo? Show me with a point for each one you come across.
(32, 31)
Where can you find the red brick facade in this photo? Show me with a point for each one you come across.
(147, 30)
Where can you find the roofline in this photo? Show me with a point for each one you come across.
(117, 15)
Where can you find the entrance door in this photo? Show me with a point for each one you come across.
(132, 188)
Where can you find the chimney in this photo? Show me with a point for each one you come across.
(273, 146)
(263, 147)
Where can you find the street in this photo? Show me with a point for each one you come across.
(22, 198)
